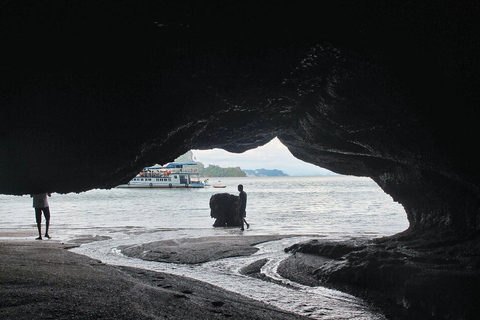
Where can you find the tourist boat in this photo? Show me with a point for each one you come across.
(171, 175)
(219, 185)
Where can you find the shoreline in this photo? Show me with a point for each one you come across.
(43, 279)
(45, 274)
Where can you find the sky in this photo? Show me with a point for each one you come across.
(273, 155)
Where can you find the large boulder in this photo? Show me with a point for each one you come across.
(223, 207)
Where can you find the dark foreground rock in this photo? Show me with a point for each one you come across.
(407, 280)
(223, 207)
(196, 250)
(45, 281)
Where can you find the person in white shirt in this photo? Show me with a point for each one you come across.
(40, 203)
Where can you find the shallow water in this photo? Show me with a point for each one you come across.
(340, 206)
(331, 207)
(314, 302)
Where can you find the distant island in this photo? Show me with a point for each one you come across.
(217, 171)
(211, 170)
(265, 173)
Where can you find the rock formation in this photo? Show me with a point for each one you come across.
(409, 280)
(92, 92)
(223, 207)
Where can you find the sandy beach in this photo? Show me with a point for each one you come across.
(42, 279)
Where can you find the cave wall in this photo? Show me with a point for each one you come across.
(93, 92)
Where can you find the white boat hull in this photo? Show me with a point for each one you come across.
(176, 176)
(158, 185)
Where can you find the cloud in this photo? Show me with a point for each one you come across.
(273, 155)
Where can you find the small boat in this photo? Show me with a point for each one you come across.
(219, 185)
(171, 175)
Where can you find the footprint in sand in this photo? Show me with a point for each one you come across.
(218, 303)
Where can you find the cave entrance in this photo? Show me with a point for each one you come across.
(324, 204)
(288, 194)
(271, 156)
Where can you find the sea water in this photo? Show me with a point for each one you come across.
(327, 207)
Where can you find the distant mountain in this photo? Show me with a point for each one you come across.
(217, 171)
(265, 173)
(211, 170)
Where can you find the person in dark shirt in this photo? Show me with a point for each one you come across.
(242, 205)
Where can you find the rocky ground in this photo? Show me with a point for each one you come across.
(406, 279)
(196, 250)
(403, 278)
(43, 280)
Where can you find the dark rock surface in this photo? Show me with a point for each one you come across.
(45, 281)
(196, 250)
(408, 280)
(92, 92)
(224, 208)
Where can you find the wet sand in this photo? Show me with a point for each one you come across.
(41, 279)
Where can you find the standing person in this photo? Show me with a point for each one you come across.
(40, 203)
(242, 205)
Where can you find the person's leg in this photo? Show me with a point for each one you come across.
(248, 226)
(46, 213)
(38, 217)
(241, 220)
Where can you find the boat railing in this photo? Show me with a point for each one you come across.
(167, 174)
(183, 170)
